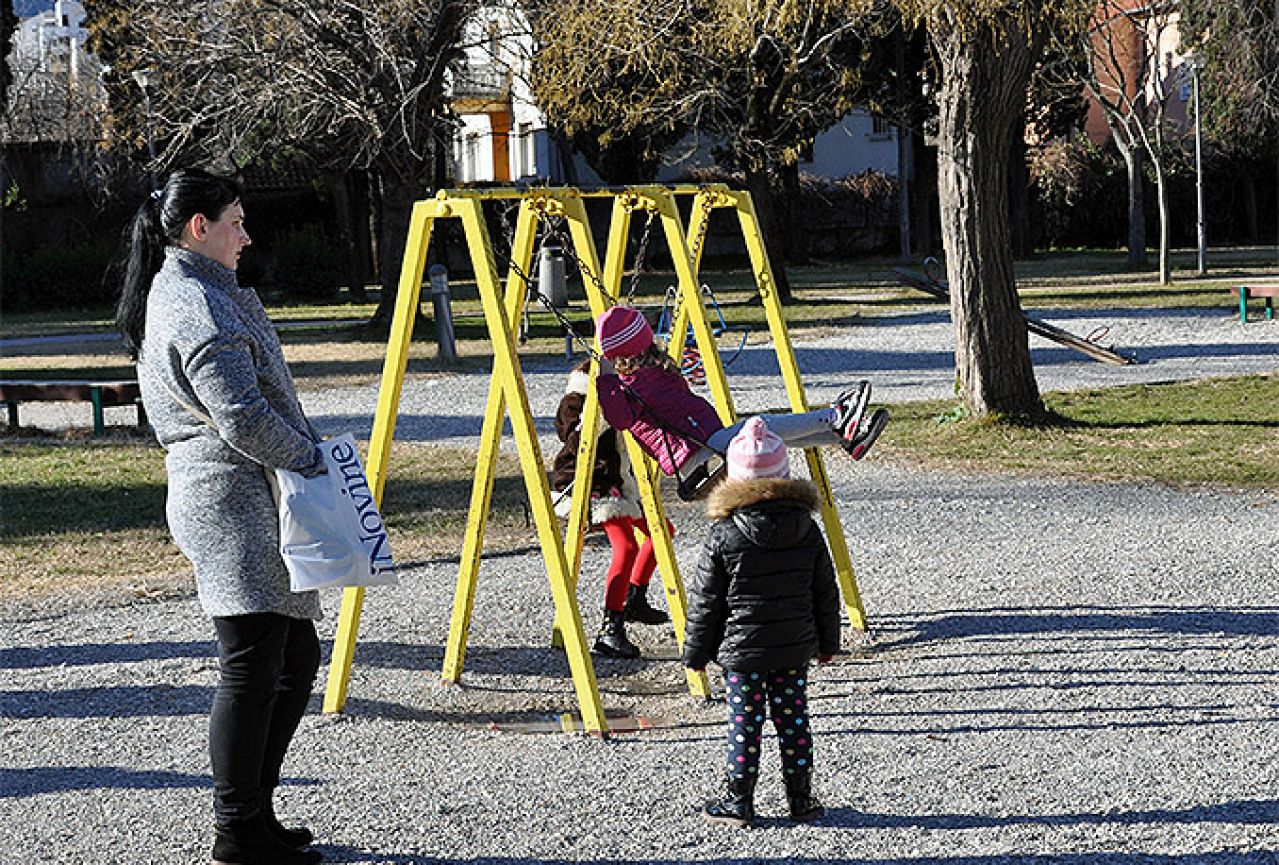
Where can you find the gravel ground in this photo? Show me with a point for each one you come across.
(1058, 672)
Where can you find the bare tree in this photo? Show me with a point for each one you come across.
(609, 77)
(985, 51)
(1130, 75)
(349, 84)
(757, 81)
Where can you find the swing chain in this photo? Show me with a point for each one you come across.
(640, 253)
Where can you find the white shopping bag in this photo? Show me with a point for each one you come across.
(331, 533)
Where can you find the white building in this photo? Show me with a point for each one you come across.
(503, 136)
(56, 92)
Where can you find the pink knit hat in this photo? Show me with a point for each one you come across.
(623, 332)
(757, 452)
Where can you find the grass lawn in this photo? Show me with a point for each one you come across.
(87, 515)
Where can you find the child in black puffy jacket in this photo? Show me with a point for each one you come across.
(763, 604)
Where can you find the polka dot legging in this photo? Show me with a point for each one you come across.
(784, 694)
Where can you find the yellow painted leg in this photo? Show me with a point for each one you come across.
(388, 406)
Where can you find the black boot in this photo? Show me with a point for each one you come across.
(297, 838)
(639, 610)
(799, 795)
(735, 809)
(250, 842)
(611, 642)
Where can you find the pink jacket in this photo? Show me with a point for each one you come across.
(669, 421)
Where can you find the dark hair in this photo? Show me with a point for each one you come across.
(157, 224)
(654, 355)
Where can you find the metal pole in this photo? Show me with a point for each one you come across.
(1201, 227)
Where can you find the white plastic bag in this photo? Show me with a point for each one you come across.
(331, 533)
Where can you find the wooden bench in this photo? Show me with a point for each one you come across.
(1269, 292)
(99, 393)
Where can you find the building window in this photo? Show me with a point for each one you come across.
(880, 128)
(527, 144)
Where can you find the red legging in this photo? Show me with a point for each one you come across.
(632, 563)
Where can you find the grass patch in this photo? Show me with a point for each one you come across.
(1218, 432)
(85, 517)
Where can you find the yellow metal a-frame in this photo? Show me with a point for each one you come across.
(502, 312)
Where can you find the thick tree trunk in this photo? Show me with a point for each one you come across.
(984, 78)
(787, 212)
(759, 185)
(1133, 161)
(1019, 195)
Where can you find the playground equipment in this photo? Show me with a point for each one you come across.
(936, 286)
(503, 312)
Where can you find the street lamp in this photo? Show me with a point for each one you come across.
(145, 79)
(1196, 63)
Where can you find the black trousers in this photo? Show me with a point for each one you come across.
(268, 664)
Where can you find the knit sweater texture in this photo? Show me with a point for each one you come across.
(223, 405)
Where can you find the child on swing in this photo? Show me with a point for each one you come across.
(615, 509)
(641, 390)
(763, 604)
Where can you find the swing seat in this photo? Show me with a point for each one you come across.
(720, 328)
(697, 483)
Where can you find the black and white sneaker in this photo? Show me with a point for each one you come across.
(849, 407)
(867, 431)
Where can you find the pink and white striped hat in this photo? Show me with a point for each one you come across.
(757, 452)
(623, 332)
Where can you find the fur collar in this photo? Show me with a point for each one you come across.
(577, 382)
(732, 495)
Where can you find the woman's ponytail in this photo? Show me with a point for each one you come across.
(146, 254)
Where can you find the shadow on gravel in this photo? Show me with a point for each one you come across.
(1258, 857)
(85, 654)
(127, 701)
(18, 783)
(959, 624)
(1251, 812)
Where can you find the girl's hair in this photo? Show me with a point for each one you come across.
(157, 224)
(654, 355)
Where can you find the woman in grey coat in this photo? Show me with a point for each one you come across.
(223, 405)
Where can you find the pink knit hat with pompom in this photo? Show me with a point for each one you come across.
(757, 452)
(623, 332)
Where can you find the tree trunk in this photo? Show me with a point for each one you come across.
(789, 215)
(758, 184)
(1019, 193)
(397, 207)
(1161, 192)
(984, 77)
(1133, 159)
(923, 203)
(339, 189)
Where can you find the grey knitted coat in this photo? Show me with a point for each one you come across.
(208, 344)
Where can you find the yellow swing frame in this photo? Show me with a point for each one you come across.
(502, 313)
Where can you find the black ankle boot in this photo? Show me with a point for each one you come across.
(799, 795)
(735, 809)
(250, 842)
(297, 837)
(638, 609)
(611, 642)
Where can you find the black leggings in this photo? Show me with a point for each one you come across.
(268, 664)
(781, 695)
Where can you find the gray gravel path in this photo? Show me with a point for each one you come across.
(1058, 672)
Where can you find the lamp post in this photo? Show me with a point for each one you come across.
(145, 79)
(1196, 64)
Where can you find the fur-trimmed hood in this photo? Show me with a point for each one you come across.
(732, 495)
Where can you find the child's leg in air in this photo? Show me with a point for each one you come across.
(638, 609)
(612, 640)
